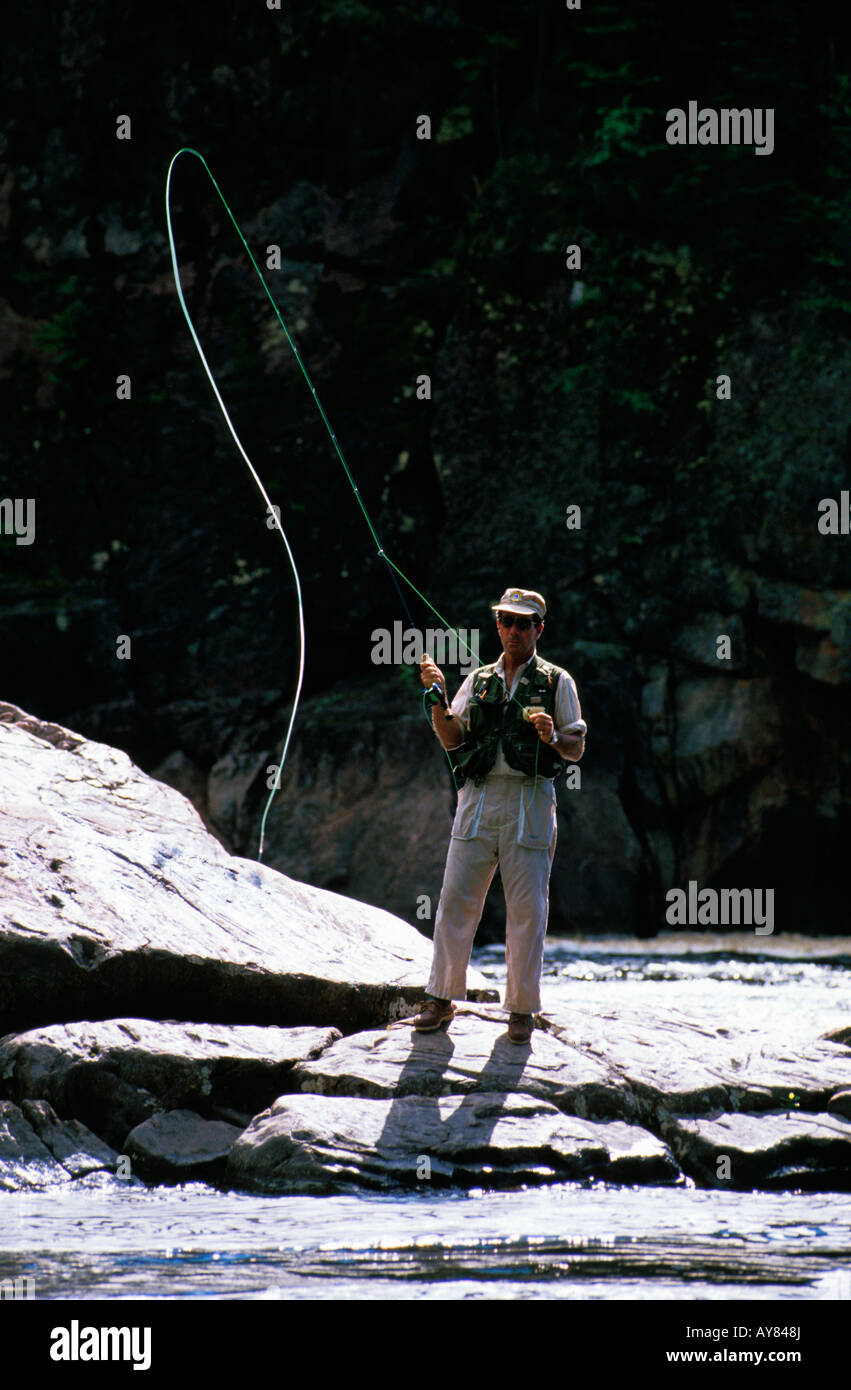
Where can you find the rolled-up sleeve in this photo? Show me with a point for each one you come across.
(568, 715)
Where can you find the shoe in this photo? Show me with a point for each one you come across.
(520, 1028)
(434, 1013)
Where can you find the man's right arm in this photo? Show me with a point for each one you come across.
(449, 731)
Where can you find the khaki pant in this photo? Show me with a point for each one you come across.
(509, 821)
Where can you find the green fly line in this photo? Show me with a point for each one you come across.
(273, 512)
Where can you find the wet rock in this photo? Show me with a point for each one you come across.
(113, 1075)
(71, 1143)
(314, 1143)
(764, 1151)
(686, 1061)
(25, 1161)
(178, 1144)
(474, 1054)
(117, 901)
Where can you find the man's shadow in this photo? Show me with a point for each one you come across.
(414, 1132)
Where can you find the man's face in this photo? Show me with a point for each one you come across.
(517, 643)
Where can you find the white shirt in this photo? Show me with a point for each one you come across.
(567, 714)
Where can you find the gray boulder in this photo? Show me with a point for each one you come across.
(840, 1104)
(792, 1150)
(313, 1143)
(687, 1061)
(118, 1073)
(179, 1145)
(117, 900)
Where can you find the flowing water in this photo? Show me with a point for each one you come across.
(107, 1239)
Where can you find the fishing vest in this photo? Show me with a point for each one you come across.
(494, 718)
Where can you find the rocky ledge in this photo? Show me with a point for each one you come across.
(169, 1011)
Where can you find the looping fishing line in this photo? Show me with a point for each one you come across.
(393, 569)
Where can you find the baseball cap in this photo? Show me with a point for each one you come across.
(521, 601)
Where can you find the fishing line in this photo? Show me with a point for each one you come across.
(393, 569)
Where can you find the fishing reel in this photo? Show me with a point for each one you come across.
(436, 696)
(536, 707)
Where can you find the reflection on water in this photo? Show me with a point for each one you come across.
(569, 1241)
(584, 1241)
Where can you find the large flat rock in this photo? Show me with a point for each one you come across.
(115, 1074)
(117, 900)
(474, 1054)
(691, 1061)
(313, 1143)
(791, 1150)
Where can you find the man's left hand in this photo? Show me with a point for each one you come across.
(543, 726)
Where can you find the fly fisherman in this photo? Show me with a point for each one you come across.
(510, 728)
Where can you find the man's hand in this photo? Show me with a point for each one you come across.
(431, 674)
(444, 724)
(543, 725)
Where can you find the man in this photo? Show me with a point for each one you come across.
(510, 728)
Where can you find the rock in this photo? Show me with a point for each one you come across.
(117, 900)
(71, 1143)
(767, 1151)
(597, 882)
(179, 1144)
(723, 727)
(677, 1061)
(186, 777)
(696, 643)
(25, 1162)
(840, 1104)
(485, 1139)
(473, 1055)
(820, 620)
(118, 1073)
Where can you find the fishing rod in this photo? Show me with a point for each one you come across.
(435, 693)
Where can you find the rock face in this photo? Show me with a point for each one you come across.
(118, 1073)
(117, 900)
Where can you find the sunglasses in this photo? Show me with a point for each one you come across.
(511, 620)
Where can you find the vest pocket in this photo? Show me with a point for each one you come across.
(537, 828)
